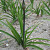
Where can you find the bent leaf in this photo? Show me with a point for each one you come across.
(15, 33)
(7, 34)
(4, 39)
(34, 46)
(38, 39)
(38, 43)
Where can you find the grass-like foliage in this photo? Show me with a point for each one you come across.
(19, 36)
(2, 41)
(15, 10)
(48, 9)
(32, 1)
(36, 10)
(4, 5)
(12, 9)
(41, 9)
(49, 2)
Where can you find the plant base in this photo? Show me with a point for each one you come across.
(26, 48)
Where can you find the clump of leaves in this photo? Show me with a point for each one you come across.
(46, 10)
(32, 1)
(13, 9)
(19, 36)
(36, 10)
(41, 9)
(4, 5)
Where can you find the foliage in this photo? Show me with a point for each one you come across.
(32, 1)
(16, 11)
(1, 41)
(4, 5)
(49, 2)
(13, 9)
(46, 19)
(48, 9)
(36, 10)
(19, 36)
(41, 8)
(4, 39)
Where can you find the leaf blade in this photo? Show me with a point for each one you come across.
(34, 46)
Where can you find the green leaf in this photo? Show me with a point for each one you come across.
(29, 28)
(34, 46)
(46, 19)
(26, 32)
(7, 16)
(4, 39)
(13, 21)
(7, 34)
(0, 25)
(15, 33)
(38, 39)
(27, 7)
(4, 23)
(38, 43)
(46, 11)
(2, 18)
(32, 31)
(46, 5)
(9, 13)
(20, 19)
(32, 1)
(1, 43)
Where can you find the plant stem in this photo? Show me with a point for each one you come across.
(23, 6)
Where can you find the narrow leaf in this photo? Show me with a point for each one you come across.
(7, 34)
(38, 43)
(15, 33)
(34, 46)
(38, 39)
(4, 39)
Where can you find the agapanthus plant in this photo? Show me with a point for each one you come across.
(19, 36)
(13, 10)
